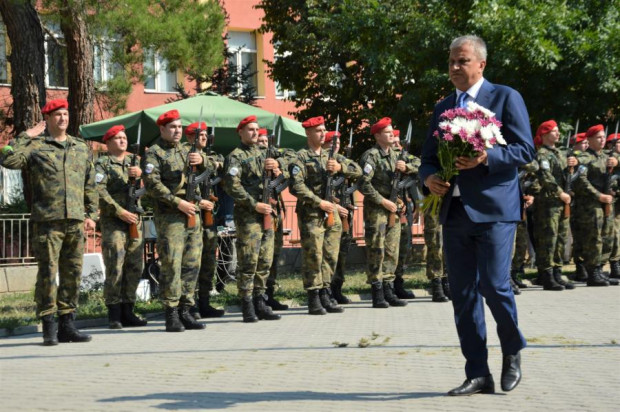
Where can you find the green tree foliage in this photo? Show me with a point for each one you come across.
(365, 59)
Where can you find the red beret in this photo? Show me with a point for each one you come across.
(169, 116)
(247, 120)
(263, 132)
(113, 131)
(396, 132)
(613, 137)
(580, 137)
(53, 105)
(191, 129)
(380, 125)
(544, 128)
(313, 121)
(330, 135)
(594, 130)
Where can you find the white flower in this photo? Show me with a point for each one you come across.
(473, 106)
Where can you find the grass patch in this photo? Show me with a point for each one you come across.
(19, 309)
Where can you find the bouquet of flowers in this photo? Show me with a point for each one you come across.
(462, 132)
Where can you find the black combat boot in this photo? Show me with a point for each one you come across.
(336, 288)
(399, 289)
(314, 303)
(557, 275)
(195, 311)
(390, 297)
(378, 297)
(514, 287)
(596, 278)
(173, 323)
(271, 300)
(446, 287)
(326, 302)
(188, 321)
(114, 316)
(67, 332)
(614, 266)
(205, 308)
(581, 274)
(50, 330)
(548, 281)
(437, 291)
(516, 274)
(262, 310)
(247, 310)
(605, 275)
(129, 318)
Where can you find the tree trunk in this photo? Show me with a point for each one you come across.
(27, 61)
(80, 56)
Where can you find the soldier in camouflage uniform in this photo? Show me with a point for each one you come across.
(64, 204)
(529, 188)
(577, 217)
(592, 197)
(208, 263)
(122, 254)
(613, 142)
(382, 241)
(320, 236)
(243, 181)
(551, 221)
(440, 289)
(278, 222)
(410, 196)
(179, 246)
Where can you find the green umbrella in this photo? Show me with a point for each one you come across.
(227, 113)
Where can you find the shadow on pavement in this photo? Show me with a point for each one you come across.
(221, 400)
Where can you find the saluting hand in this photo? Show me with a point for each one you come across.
(333, 166)
(36, 130)
(134, 171)
(195, 159)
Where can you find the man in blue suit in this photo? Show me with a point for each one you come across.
(479, 212)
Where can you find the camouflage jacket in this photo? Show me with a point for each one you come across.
(164, 175)
(528, 178)
(378, 167)
(309, 177)
(62, 178)
(590, 185)
(112, 179)
(243, 175)
(551, 172)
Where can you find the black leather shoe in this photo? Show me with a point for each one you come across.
(484, 384)
(511, 372)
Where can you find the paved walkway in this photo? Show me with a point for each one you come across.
(572, 362)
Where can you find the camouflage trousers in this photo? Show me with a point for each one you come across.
(577, 229)
(345, 243)
(123, 261)
(404, 248)
(319, 248)
(598, 239)
(278, 242)
(208, 262)
(59, 248)
(433, 241)
(254, 254)
(550, 231)
(382, 244)
(179, 250)
(615, 249)
(520, 246)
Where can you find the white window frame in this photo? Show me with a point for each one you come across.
(237, 54)
(4, 62)
(281, 93)
(58, 36)
(106, 70)
(159, 69)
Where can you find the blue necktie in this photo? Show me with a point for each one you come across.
(460, 102)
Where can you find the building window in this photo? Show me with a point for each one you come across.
(282, 93)
(243, 59)
(158, 78)
(4, 65)
(55, 58)
(104, 68)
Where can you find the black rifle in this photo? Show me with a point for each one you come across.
(399, 183)
(329, 181)
(208, 185)
(272, 186)
(134, 191)
(192, 192)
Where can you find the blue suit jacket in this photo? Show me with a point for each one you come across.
(490, 193)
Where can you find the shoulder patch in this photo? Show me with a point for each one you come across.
(545, 165)
(295, 170)
(367, 168)
(233, 171)
(99, 177)
(148, 169)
